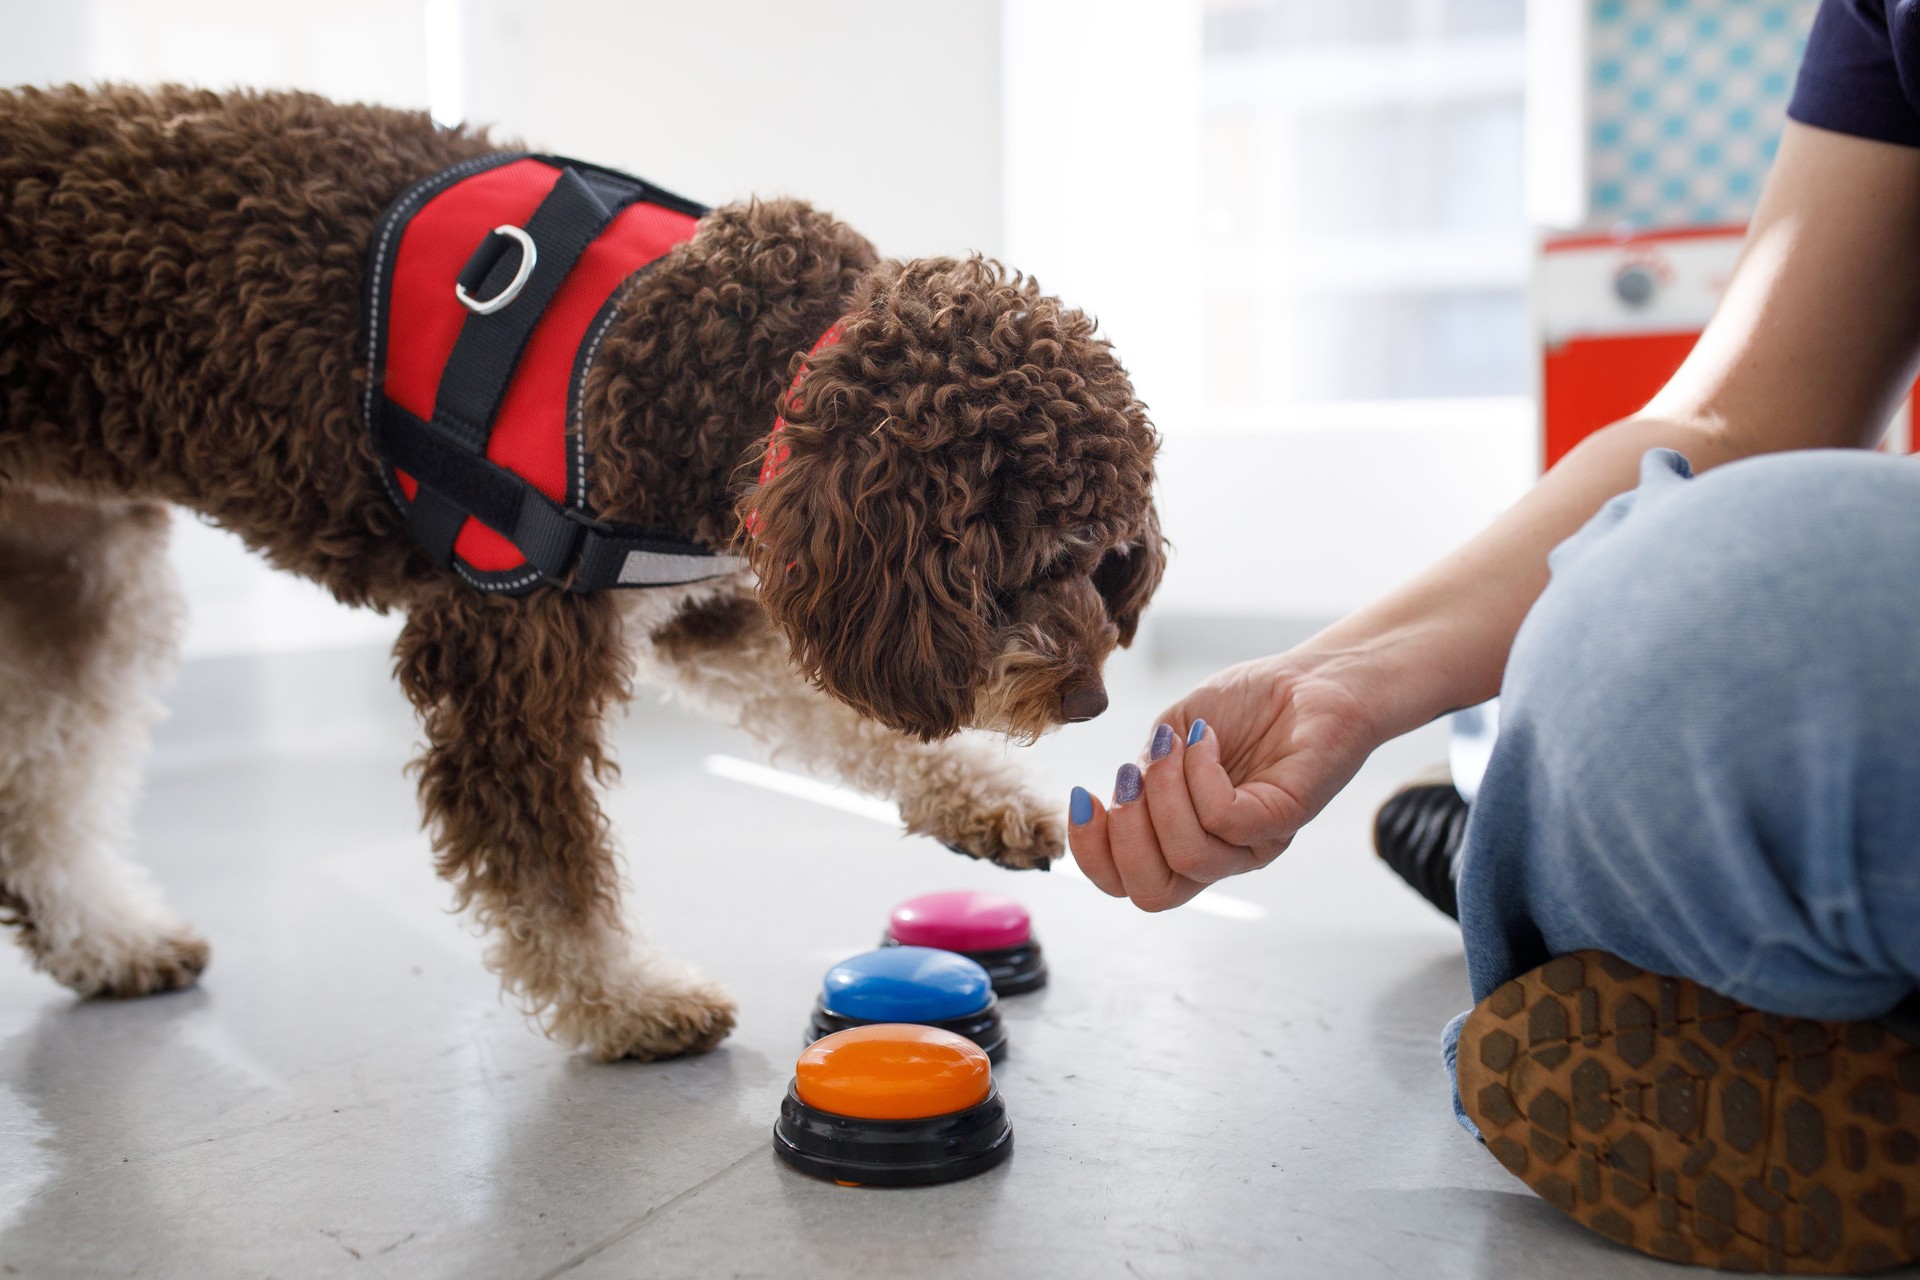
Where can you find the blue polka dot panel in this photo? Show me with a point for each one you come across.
(1685, 105)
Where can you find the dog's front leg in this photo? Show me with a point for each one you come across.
(513, 695)
(726, 657)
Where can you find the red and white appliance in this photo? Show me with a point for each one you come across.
(1617, 315)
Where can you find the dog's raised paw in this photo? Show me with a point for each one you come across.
(1020, 834)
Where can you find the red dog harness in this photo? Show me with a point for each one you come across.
(490, 287)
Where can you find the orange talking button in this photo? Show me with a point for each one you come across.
(892, 1104)
(892, 1071)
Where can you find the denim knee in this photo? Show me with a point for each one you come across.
(1774, 597)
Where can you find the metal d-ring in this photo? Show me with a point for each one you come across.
(528, 256)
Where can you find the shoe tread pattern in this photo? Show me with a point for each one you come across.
(1676, 1122)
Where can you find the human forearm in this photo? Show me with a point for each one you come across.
(1440, 642)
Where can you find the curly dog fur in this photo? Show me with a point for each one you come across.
(962, 534)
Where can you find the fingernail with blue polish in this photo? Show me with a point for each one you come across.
(1196, 733)
(1080, 808)
(1126, 785)
(1162, 742)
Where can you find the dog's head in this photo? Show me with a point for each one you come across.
(963, 526)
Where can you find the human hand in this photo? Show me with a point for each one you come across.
(1232, 772)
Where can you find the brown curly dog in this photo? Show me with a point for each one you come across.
(962, 534)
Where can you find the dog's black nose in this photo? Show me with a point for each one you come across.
(1083, 703)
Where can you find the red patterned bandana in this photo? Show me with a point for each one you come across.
(777, 450)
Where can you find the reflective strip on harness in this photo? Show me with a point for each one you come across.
(477, 416)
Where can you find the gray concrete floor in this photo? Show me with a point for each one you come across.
(1196, 1094)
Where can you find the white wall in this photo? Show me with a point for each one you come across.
(1309, 520)
(358, 50)
(44, 43)
(886, 113)
(1102, 163)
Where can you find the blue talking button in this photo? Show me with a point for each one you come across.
(906, 984)
(911, 984)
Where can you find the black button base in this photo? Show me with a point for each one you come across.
(984, 1028)
(1013, 971)
(893, 1153)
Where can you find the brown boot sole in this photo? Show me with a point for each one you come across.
(1679, 1123)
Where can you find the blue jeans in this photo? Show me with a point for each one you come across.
(1709, 751)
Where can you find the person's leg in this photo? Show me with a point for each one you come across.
(1709, 759)
(1707, 766)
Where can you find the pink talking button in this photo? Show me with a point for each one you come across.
(961, 921)
(989, 928)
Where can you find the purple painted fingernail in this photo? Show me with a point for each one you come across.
(1162, 742)
(1126, 784)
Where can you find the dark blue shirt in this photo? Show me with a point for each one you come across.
(1862, 71)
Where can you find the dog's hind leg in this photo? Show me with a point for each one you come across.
(725, 657)
(513, 695)
(89, 630)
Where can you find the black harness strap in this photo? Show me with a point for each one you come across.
(435, 520)
(552, 537)
(489, 347)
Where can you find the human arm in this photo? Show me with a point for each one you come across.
(1814, 343)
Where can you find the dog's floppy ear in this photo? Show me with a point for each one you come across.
(869, 562)
(1127, 579)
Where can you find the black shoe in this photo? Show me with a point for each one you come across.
(1418, 833)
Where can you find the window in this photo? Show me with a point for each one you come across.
(1364, 236)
